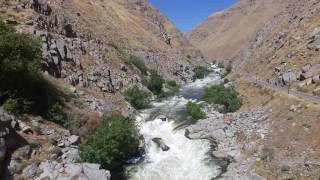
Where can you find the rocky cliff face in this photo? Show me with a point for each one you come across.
(85, 43)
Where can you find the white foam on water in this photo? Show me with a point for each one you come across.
(186, 159)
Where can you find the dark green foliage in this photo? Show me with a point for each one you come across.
(17, 106)
(194, 110)
(5, 29)
(56, 114)
(171, 87)
(172, 83)
(201, 72)
(137, 97)
(225, 80)
(22, 86)
(137, 62)
(115, 141)
(227, 97)
(155, 83)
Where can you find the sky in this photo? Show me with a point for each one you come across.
(186, 14)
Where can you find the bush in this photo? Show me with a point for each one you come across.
(137, 62)
(227, 97)
(200, 72)
(170, 88)
(56, 114)
(22, 86)
(226, 80)
(115, 141)
(172, 83)
(194, 110)
(17, 106)
(155, 83)
(137, 97)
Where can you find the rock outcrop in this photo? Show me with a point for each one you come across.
(232, 136)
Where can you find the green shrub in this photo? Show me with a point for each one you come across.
(201, 72)
(194, 110)
(22, 87)
(227, 97)
(137, 97)
(138, 63)
(17, 106)
(226, 80)
(171, 87)
(56, 114)
(114, 142)
(172, 83)
(155, 83)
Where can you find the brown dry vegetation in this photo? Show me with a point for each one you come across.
(293, 138)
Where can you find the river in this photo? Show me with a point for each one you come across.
(186, 159)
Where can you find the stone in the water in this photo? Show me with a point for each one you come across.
(161, 144)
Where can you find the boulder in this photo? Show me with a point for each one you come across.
(289, 77)
(73, 170)
(93, 172)
(30, 171)
(160, 143)
(306, 68)
(295, 108)
(162, 118)
(222, 160)
(74, 140)
(315, 79)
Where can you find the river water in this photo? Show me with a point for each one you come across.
(186, 159)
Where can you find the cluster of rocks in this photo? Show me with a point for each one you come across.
(309, 74)
(230, 135)
(58, 157)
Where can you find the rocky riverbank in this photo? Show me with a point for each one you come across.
(235, 140)
(34, 149)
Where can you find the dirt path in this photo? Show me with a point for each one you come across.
(299, 94)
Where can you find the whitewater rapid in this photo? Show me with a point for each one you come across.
(186, 159)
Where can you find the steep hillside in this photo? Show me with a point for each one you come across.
(274, 46)
(223, 35)
(87, 43)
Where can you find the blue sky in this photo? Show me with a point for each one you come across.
(186, 14)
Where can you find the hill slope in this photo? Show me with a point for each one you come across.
(87, 43)
(223, 35)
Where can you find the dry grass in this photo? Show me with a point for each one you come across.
(291, 133)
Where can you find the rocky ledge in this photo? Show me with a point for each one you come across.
(235, 140)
